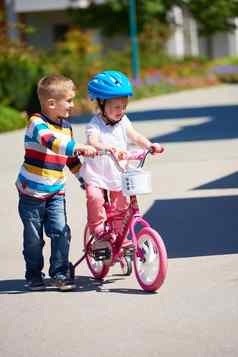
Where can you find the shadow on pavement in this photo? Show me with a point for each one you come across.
(222, 122)
(83, 284)
(128, 291)
(229, 181)
(196, 226)
(13, 286)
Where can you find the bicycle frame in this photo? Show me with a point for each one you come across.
(130, 219)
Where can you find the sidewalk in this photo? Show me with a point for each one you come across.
(194, 206)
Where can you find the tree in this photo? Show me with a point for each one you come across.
(212, 16)
(112, 15)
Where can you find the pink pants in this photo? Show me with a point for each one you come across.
(96, 210)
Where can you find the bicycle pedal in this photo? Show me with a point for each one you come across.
(102, 254)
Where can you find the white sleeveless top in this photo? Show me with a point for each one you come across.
(101, 170)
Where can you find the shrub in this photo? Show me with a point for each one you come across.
(226, 72)
(20, 70)
(147, 88)
(10, 119)
(117, 60)
(152, 44)
(77, 57)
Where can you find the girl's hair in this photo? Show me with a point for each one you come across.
(54, 86)
(101, 106)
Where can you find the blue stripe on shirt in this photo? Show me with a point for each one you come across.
(37, 129)
(69, 151)
(40, 186)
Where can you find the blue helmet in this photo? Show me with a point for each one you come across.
(108, 85)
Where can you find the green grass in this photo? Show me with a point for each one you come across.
(10, 119)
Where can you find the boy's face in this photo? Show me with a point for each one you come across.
(61, 108)
(116, 108)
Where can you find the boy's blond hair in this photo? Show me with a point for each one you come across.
(54, 86)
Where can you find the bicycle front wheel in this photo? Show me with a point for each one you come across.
(97, 267)
(150, 259)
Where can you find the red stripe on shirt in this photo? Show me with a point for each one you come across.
(46, 157)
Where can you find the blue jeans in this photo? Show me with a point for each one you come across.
(50, 216)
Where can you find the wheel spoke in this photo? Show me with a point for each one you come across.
(148, 266)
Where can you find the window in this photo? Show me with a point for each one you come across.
(59, 31)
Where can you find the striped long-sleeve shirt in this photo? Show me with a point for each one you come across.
(49, 147)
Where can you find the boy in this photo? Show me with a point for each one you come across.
(49, 147)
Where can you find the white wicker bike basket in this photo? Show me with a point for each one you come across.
(136, 182)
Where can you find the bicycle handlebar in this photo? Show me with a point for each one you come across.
(139, 155)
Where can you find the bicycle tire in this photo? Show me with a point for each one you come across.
(150, 259)
(98, 268)
(126, 265)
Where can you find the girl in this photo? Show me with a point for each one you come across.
(109, 129)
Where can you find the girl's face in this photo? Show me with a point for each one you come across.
(115, 108)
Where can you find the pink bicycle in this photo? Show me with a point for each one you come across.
(145, 248)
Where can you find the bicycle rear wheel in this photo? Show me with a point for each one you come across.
(97, 267)
(150, 259)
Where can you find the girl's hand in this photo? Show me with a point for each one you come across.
(156, 149)
(119, 154)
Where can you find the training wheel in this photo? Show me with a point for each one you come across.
(126, 265)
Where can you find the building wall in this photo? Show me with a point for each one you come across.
(175, 45)
(185, 39)
(220, 45)
(233, 40)
(44, 27)
(191, 38)
(46, 5)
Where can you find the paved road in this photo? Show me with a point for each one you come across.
(194, 205)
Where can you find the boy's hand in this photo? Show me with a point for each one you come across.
(86, 150)
(156, 149)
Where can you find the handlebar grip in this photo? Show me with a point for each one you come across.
(152, 150)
